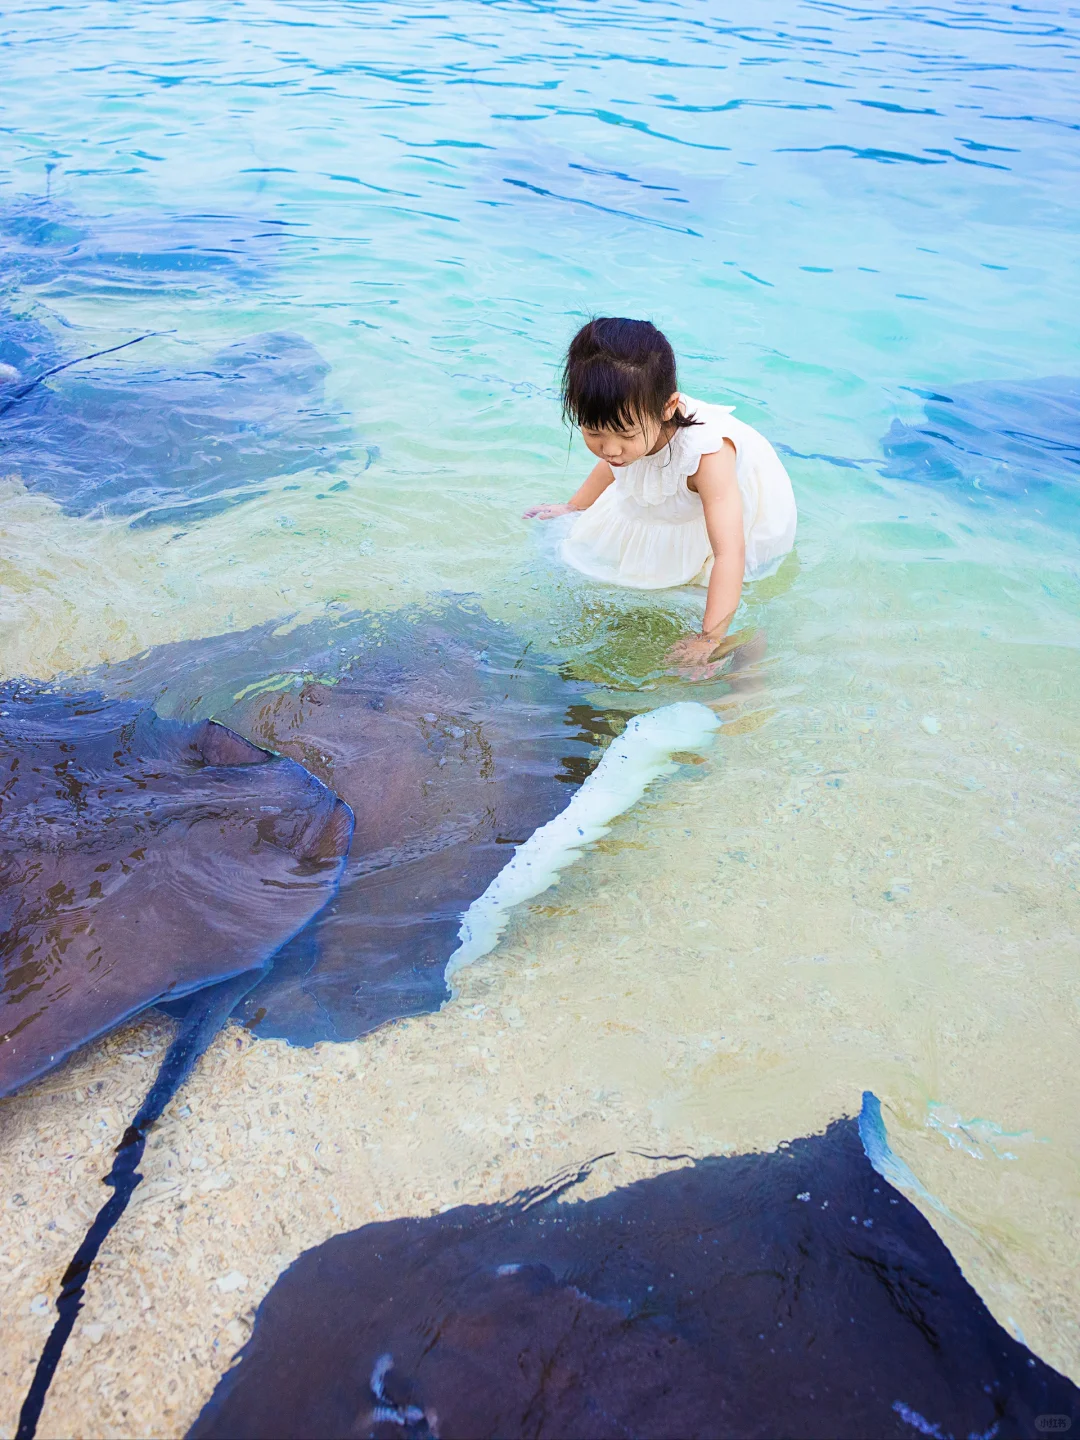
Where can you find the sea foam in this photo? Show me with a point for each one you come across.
(640, 755)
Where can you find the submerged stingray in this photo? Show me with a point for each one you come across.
(140, 859)
(997, 440)
(795, 1294)
(450, 741)
(161, 446)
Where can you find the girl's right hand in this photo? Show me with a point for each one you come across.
(548, 512)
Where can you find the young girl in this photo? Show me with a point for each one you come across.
(682, 493)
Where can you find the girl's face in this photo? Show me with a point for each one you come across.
(623, 447)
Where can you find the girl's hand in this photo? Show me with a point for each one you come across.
(548, 512)
(700, 657)
(691, 656)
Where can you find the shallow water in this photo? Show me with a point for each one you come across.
(837, 214)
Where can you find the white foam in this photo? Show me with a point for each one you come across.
(631, 763)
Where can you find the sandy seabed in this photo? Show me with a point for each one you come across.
(885, 899)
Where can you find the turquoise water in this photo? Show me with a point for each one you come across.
(833, 212)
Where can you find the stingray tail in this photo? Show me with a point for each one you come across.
(208, 1013)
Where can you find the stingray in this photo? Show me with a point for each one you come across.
(793, 1293)
(997, 441)
(449, 738)
(26, 349)
(141, 859)
(160, 446)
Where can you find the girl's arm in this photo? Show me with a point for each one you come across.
(714, 480)
(598, 480)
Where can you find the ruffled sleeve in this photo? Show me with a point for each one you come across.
(704, 438)
(656, 478)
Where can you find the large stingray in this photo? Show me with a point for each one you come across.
(990, 441)
(163, 446)
(158, 445)
(141, 859)
(794, 1294)
(449, 762)
(451, 742)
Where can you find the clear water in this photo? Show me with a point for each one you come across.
(873, 882)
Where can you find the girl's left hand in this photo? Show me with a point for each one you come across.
(700, 657)
(691, 656)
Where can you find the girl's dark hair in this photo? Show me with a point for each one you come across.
(619, 374)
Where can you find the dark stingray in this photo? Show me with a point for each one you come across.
(140, 859)
(160, 446)
(792, 1294)
(450, 741)
(45, 243)
(990, 441)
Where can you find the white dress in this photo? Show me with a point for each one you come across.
(647, 530)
